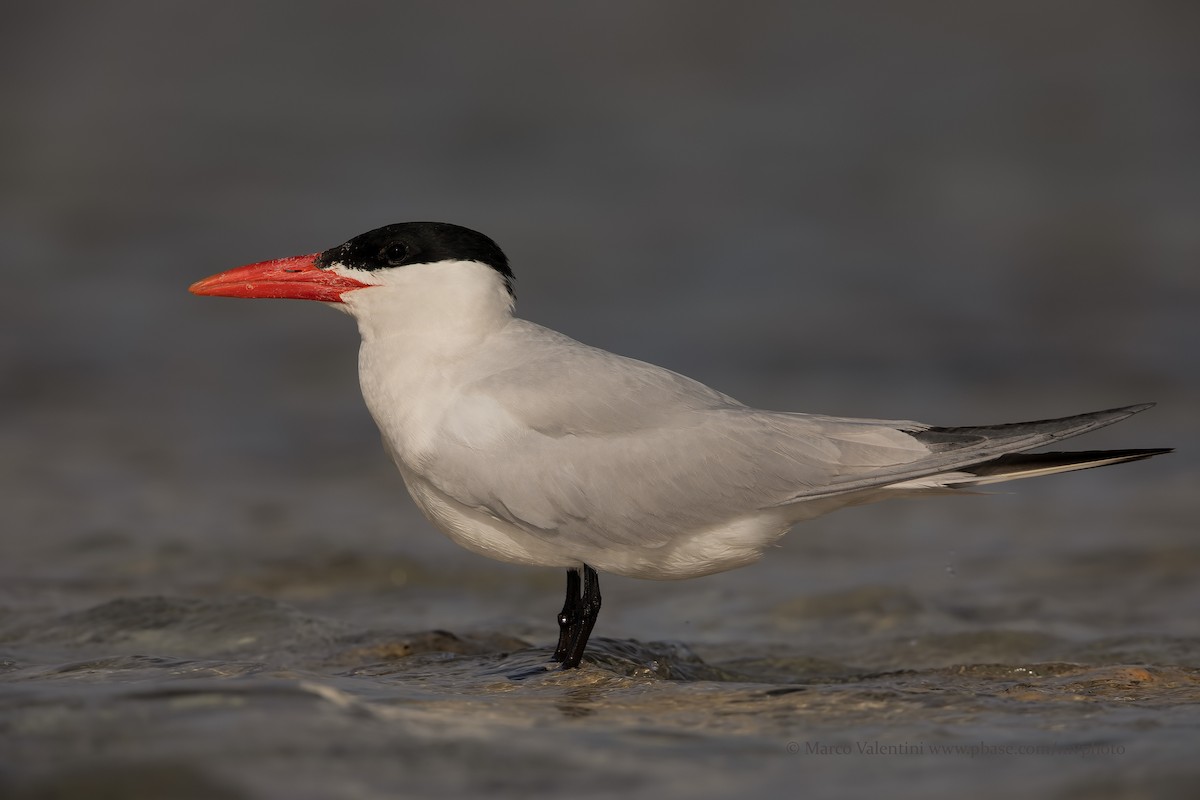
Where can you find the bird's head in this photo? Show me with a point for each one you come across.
(410, 256)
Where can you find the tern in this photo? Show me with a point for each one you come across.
(526, 446)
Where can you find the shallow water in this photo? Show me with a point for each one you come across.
(212, 584)
(261, 700)
(320, 677)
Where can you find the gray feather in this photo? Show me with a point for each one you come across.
(609, 450)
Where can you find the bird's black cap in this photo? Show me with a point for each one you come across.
(417, 243)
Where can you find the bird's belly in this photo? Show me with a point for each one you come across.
(723, 547)
(482, 533)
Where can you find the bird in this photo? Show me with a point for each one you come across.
(524, 445)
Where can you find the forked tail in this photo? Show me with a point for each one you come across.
(1014, 466)
(1001, 450)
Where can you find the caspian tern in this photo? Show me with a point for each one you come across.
(526, 446)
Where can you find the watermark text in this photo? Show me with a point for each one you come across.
(978, 749)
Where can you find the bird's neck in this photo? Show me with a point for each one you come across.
(421, 331)
(432, 311)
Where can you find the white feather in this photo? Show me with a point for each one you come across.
(526, 446)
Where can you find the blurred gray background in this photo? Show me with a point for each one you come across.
(957, 213)
(918, 210)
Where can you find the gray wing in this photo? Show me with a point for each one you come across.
(651, 485)
(603, 449)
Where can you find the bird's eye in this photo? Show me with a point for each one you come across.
(395, 252)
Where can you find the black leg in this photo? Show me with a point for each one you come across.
(568, 618)
(589, 611)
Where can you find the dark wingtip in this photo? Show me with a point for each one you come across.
(1137, 408)
(1020, 436)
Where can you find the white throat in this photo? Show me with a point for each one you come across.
(422, 327)
(437, 308)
